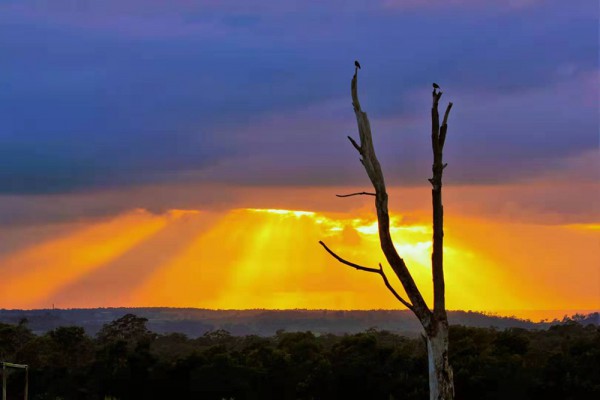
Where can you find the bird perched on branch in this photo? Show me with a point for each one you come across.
(356, 64)
(436, 86)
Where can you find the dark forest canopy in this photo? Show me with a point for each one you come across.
(127, 361)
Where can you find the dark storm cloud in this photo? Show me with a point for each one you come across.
(96, 94)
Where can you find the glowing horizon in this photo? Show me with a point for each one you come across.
(249, 258)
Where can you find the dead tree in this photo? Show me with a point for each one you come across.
(434, 322)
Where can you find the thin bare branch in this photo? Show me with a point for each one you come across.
(448, 108)
(442, 138)
(444, 127)
(356, 194)
(389, 286)
(348, 263)
(356, 146)
(367, 269)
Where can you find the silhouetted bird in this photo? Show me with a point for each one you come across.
(356, 64)
(436, 86)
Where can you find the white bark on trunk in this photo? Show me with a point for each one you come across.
(441, 383)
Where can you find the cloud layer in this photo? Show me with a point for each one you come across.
(115, 93)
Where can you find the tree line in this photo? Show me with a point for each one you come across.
(125, 360)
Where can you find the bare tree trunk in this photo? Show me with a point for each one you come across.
(441, 382)
(435, 323)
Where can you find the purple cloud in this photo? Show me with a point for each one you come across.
(103, 94)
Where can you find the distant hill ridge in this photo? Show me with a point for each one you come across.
(195, 322)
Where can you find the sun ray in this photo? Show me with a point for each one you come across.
(270, 258)
(111, 284)
(34, 273)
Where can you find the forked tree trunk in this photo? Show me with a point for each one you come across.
(441, 382)
(435, 320)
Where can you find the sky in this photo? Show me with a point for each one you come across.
(187, 153)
